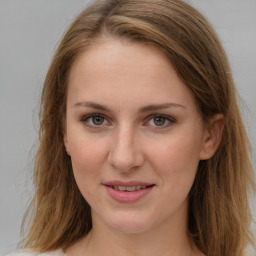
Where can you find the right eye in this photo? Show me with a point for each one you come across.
(94, 120)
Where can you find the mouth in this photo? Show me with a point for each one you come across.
(129, 188)
(128, 192)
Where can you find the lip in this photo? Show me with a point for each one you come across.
(125, 196)
(127, 183)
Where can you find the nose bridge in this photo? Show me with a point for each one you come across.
(125, 153)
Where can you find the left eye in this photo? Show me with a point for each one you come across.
(160, 121)
(94, 120)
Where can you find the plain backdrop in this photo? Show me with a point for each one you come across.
(29, 33)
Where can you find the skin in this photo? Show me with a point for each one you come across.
(118, 81)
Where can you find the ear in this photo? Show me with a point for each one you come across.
(212, 136)
(65, 139)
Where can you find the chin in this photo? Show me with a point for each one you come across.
(130, 228)
(129, 223)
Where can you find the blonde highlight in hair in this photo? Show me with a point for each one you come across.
(219, 215)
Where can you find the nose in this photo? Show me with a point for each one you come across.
(125, 154)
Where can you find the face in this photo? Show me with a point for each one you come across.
(134, 136)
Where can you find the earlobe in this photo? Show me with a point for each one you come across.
(212, 136)
(64, 134)
(67, 147)
(65, 140)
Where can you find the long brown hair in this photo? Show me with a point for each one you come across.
(219, 213)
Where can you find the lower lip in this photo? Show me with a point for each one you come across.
(128, 197)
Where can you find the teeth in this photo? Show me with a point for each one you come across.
(129, 189)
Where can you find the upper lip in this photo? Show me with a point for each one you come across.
(126, 183)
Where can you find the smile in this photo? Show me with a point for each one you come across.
(128, 189)
(128, 192)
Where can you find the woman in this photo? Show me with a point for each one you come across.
(142, 147)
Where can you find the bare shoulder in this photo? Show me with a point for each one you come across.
(29, 252)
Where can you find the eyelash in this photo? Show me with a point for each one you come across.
(170, 120)
(85, 119)
(166, 118)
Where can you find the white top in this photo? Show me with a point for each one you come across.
(29, 252)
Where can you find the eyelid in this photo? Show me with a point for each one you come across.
(84, 119)
(170, 119)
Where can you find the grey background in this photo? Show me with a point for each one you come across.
(29, 33)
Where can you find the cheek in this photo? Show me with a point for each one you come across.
(176, 161)
(86, 151)
(87, 158)
(177, 151)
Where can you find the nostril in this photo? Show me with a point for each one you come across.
(125, 160)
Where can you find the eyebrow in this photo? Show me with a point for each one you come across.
(152, 107)
(159, 106)
(89, 104)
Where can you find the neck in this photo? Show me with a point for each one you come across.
(170, 238)
(150, 244)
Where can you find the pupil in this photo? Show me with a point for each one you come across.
(97, 120)
(159, 121)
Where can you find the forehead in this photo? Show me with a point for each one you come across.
(110, 52)
(113, 70)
